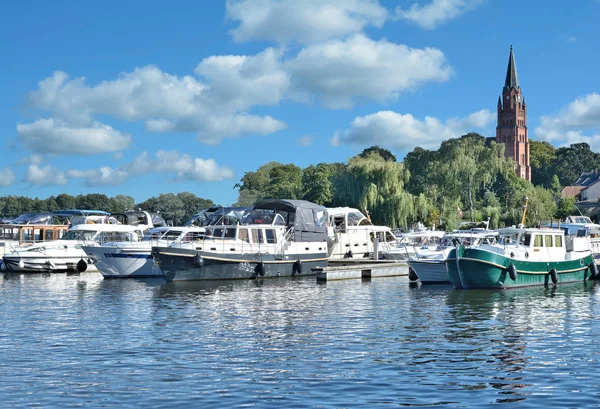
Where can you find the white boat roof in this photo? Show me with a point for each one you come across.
(517, 230)
(106, 227)
(425, 233)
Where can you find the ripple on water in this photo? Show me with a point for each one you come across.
(77, 340)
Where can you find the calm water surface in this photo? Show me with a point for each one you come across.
(79, 340)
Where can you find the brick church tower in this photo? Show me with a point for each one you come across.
(512, 121)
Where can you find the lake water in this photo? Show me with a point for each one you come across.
(79, 340)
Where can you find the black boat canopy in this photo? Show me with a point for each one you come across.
(308, 219)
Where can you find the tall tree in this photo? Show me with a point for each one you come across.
(383, 153)
(542, 158)
(285, 182)
(316, 184)
(573, 160)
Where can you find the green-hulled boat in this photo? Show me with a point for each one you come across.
(522, 257)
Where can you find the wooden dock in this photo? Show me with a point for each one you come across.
(352, 269)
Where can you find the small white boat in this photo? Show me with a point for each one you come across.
(410, 243)
(428, 265)
(352, 235)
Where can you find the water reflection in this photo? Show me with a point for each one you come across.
(79, 339)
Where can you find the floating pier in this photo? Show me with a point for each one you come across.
(352, 269)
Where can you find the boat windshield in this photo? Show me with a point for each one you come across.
(579, 219)
(80, 235)
(34, 218)
(264, 216)
(512, 238)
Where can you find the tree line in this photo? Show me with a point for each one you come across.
(175, 207)
(467, 178)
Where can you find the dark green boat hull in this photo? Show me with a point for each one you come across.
(483, 269)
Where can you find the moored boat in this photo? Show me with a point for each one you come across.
(429, 266)
(277, 238)
(522, 257)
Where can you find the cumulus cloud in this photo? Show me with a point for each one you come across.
(183, 167)
(568, 126)
(44, 176)
(304, 22)
(341, 71)
(59, 137)
(233, 84)
(431, 15)
(7, 177)
(405, 132)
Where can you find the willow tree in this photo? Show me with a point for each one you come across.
(470, 164)
(377, 186)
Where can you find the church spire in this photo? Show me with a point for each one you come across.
(512, 80)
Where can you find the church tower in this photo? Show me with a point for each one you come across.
(512, 121)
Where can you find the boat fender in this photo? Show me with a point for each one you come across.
(297, 267)
(2, 266)
(512, 272)
(81, 266)
(554, 275)
(260, 269)
(593, 271)
(198, 260)
(21, 263)
(412, 276)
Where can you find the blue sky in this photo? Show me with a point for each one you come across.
(142, 98)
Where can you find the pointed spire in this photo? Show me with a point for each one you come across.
(512, 80)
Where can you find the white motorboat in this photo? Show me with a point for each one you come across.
(428, 264)
(278, 238)
(66, 254)
(353, 236)
(409, 244)
(133, 259)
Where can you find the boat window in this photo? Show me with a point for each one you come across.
(558, 241)
(537, 241)
(48, 234)
(271, 238)
(154, 235)
(230, 233)
(116, 236)
(218, 232)
(548, 240)
(389, 237)
(172, 235)
(257, 236)
(279, 220)
(193, 236)
(526, 239)
(243, 235)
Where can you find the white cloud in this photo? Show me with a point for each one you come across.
(405, 132)
(43, 176)
(340, 71)
(433, 14)
(97, 177)
(165, 102)
(7, 177)
(183, 167)
(304, 22)
(568, 126)
(304, 140)
(568, 38)
(59, 137)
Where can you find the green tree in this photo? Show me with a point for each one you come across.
(120, 203)
(572, 161)
(285, 182)
(566, 207)
(316, 184)
(542, 158)
(381, 152)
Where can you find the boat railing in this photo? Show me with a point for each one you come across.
(284, 243)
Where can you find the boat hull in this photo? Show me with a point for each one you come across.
(430, 271)
(452, 268)
(185, 265)
(118, 263)
(484, 269)
(45, 265)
